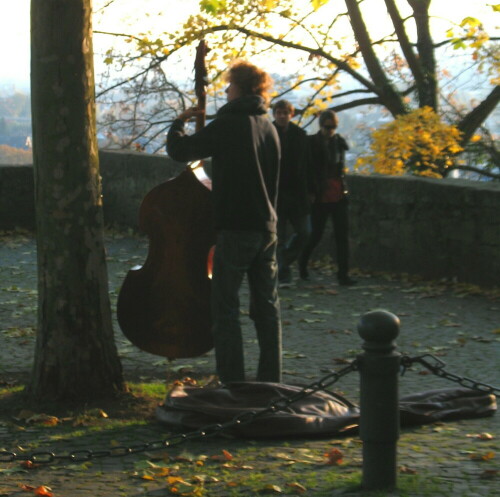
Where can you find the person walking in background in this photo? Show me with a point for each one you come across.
(293, 196)
(245, 151)
(327, 150)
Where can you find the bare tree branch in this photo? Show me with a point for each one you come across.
(478, 115)
(482, 172)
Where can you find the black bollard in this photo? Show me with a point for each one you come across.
(379, 403)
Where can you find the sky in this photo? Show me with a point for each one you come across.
(15, 21)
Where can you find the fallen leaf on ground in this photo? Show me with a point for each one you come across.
(481, 436)
(225, 456)
(271, 489)
(341, 360)
(41, 490)
(23, 415)
(331, 292)
(43, 419)
(172, 480)
(205, 479)
(483, 457)
(489, 474)
(334, 456)
(187, 381)
(229, 465)
(296, 487)
(407, 471)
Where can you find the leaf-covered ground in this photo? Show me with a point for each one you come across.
(459, 324)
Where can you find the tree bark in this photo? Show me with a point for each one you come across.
(425, 93)
(75, 355)
(427, 90)
(471, 122)
(384, 89)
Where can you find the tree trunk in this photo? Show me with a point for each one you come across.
(75, 356)
(389, 97)
(471, 122)
(413, 61)
(428, 88)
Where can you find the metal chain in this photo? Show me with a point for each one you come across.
(437, 368)
(280, 404)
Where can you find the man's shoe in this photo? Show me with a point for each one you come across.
(346, 281)
(303, 273)
(285, 277)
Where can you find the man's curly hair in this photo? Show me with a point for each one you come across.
(250, 79)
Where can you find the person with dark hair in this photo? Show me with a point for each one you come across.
(327, 150)
(293, 197)
(245, 151)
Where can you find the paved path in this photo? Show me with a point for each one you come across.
(458, 323)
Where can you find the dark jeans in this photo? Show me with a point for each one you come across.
(289, 248)
(252, 253)
(338, 213)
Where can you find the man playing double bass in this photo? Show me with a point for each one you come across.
(245, 151)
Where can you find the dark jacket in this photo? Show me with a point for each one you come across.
(295, 177)
(319, 163)
(245, 151)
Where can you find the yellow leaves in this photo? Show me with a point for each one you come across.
(194, 485)
(482, 457)
(320, 105)
(270, 4)
(179, 486)
(470, 34)
(470, 21)
(172, 480)
(418, 141)
(316, 4)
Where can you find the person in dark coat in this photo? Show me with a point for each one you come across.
(245, 151)
(293, 197)
(327, 151)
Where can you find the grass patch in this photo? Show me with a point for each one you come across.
(152, 390)
(10, 390)
(422, 485)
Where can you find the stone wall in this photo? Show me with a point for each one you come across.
(435, 228)
(126, 178)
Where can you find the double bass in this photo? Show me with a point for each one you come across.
(164, 305)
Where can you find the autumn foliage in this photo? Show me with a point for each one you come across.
(419, 142)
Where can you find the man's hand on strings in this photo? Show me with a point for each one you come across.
(190, 113)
